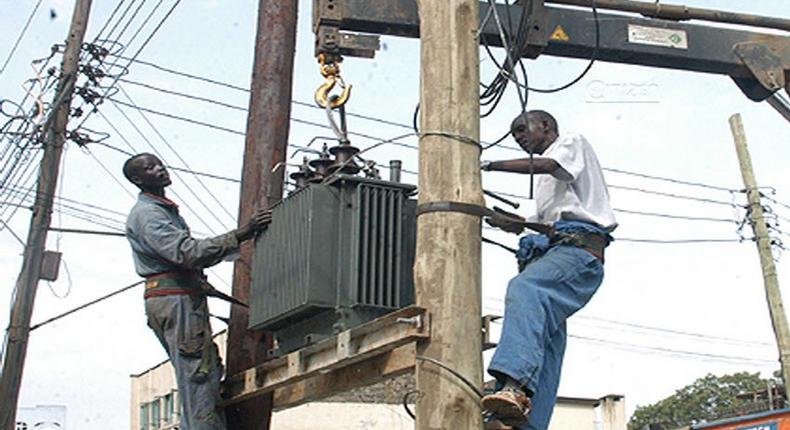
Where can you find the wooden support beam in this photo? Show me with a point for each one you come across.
(390, 364)
(352, 346)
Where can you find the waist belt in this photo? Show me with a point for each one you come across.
(174, 283)
(592, 243)
(179, 283)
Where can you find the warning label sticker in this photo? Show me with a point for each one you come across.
(668, 37)
(560, 34)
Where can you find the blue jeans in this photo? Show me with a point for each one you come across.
(538, 301)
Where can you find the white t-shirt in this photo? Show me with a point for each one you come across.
(577, 192)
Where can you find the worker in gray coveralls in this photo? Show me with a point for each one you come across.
(172, 262)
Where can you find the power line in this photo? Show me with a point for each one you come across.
(90, 232)
(665, 179)
(110, 173)
(683, 217)
(82, 214)
(90, 303)
(21, 35)
(117, 22)
(645, 213)
(239, 108)
(383, 121)
(66, 199)
(676, 332)
(672, 195)
(773, 200)
(184, 202)
(170, 166)
(651, 349)
(179, 118)
(670, 351)
(659, 329)
(184, 162)
(241, 133)
(107, 22)
(13, 233)
(136, 54)
(237, 88)
(380, 120)
(678, 241)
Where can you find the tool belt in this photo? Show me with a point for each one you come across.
(175, 283)
(592, 243)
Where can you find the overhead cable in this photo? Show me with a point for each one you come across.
(21, 35)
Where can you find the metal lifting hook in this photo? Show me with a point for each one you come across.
(331, 71)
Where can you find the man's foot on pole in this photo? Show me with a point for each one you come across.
(511, 407)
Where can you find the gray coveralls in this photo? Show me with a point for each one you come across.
(162, 244)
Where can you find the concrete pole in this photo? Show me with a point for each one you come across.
(27, 283)
(770, 279)
(447, 266)
(267, 139)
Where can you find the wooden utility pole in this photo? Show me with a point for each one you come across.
(267, 138)
(447, 266)
(763, 239)
(27, 283)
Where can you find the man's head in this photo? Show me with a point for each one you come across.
(534, 131)
(147, 172)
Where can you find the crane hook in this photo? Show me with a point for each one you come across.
(331, 71)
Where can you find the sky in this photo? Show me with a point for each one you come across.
(666, 314)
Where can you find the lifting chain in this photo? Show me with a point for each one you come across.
(330, 69)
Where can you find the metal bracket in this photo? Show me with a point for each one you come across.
(766, 63)
(487, 320)
(327, 18)
(538, 29)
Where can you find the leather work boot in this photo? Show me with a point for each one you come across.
(508, 406)
(495, 424)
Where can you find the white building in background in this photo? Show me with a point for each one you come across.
(41, 417)
(155, 406)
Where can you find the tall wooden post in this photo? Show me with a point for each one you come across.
(267, 139)
(761, 234)
(447, 267)
(27, 283)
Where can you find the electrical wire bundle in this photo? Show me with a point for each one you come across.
(513, 69)
(513, 42)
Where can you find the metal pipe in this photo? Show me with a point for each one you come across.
(681, 13)
(496, 196)
(396, 166)
(780, 104)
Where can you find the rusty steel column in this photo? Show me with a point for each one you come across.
(267, 138)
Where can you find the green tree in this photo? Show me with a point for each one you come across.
(706, 399)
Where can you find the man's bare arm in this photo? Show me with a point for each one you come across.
(540, 165)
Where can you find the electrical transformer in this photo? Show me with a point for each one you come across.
(338, 253)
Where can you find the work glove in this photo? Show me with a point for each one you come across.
(506, 221)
